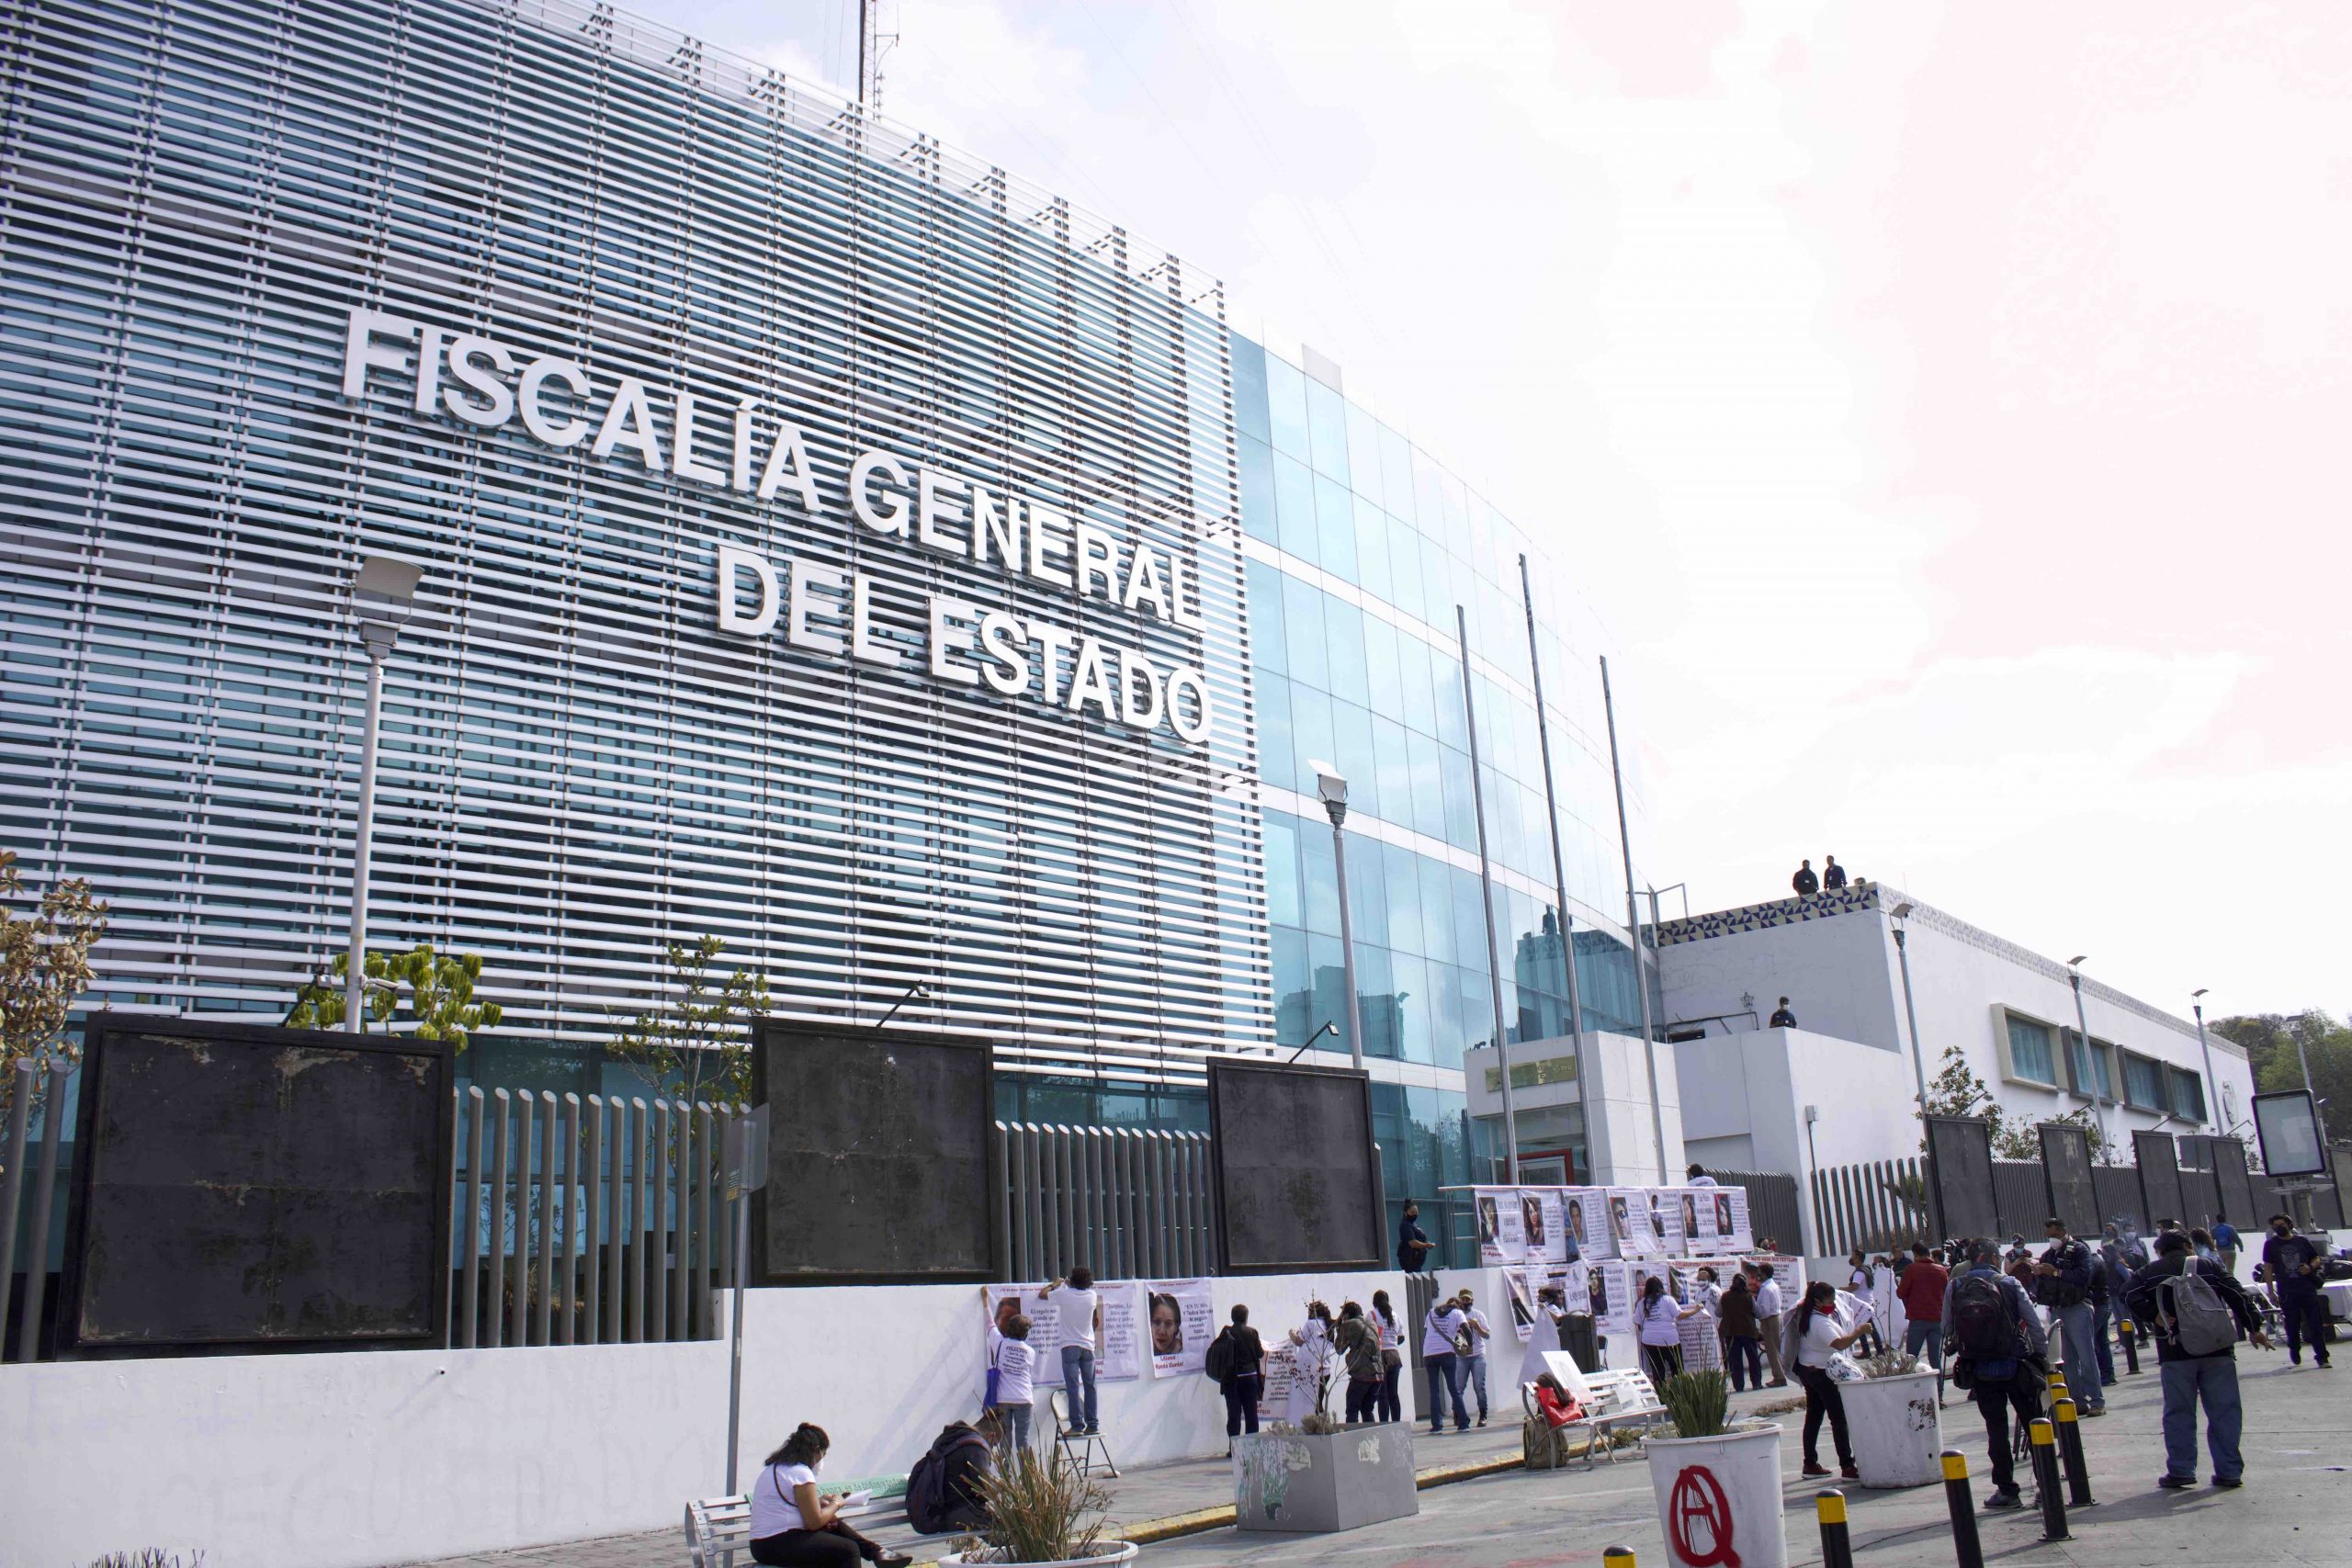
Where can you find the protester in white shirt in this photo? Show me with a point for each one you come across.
(1014, 1361)
(1082, 1327)
(1767, 1321)
(1473, 1365)
(1657, 1323)
(1816, 1333)
(1392, 1357)
(792, 1527)
(1311, 1365)
(1698, 1177)
(1442, 1331)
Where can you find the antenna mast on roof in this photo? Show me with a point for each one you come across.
(872, 44)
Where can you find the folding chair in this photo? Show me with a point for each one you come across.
(1082, 1447)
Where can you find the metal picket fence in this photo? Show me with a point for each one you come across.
(1872, 1207)
(1129, 1203)
(1771, 1204)
(34, 1096)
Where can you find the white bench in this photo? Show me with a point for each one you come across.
(1612, 1400)
(716, 1526)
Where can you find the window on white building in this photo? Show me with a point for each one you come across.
(2030, 1051)
(2089, 1072)
(2188, 1094)
(2144, 1083)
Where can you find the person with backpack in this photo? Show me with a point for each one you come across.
(1012, 1390)
(1392, 1355)
(1237, 1360)
(1444, 1329)
(2062, 1281)
(945, 1491)
(1998, 1349)
(1359, 1345)
(2290, 1266)
(2197, 1311)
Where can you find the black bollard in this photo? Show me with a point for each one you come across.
(2070, 1454)
(2131, 1337)
(1964, 1544)
(2045, 1480)
(1836, 1548)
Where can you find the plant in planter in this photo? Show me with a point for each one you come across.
(1891, 1406)
(1041, 1512)
(1890, 1363)
(1718, 1491)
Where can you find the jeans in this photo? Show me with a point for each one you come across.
(2078, 1357)
(2103, 1315)
(1391, 1407)
(2303, 1309)
(1661, 1361)
(1241, 1403)
(1445, 1368)
(1746, 1354)
(1822, 1398)
(1474, 1376)
(1926, 1338)
(1078, 1383)
(1014, 1421)
(1363, 1400)
(1997, 1400)
(835, 1546)
(2213, 1379)
(1771, 1327)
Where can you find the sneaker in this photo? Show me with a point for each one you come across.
(892, 1559)
(1482, 1420)
(1850, 1473)
(2229, 1482)
(2001, 1502)
(2089, 1410)
(2176, 1483)
(1812, 1470)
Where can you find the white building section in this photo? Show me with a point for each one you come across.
(2012, 1014)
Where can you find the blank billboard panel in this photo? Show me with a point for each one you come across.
(1297, 1183)
(2066, 1163)
(1959, 1155)
(2159, 1165)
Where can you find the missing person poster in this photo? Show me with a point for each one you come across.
(1612, 1298)
(1539, 1226)
(1628, 1221)
(1698, 1207)
(1665, 1222)
(1732, 1232)
(1520, 1287)
(1282, 1372)
(1118, 1354)
(1182, 1315)
(1585, 1210)
(1501, 1238)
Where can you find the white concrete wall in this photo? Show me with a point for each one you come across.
(1837, 973)
(353, 1459)
(1620, 1141)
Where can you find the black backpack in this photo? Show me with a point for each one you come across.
(1981, 1325)
(1217, 1361)
(929, 1506)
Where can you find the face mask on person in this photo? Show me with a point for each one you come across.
(2283, 1228)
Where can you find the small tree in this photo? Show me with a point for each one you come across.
(439, 1001)
(700, 1047)
(44, 968)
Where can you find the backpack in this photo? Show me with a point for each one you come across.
(2193, 1313)
(928, 1502)
(1217, 1361)
(1981, 1326)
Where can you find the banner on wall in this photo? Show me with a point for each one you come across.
(1628, 1221)
(1501, 1238)
(1182, 1316)
(1119, 1354)
(1585, 1211)
(1282, 1371)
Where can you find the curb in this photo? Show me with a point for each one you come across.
(1146, 1531)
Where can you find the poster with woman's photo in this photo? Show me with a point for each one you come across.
(1502, 1237)
(1628, 1221)
(1118, 1354)
(1534, 1233)
(1182, 1316)
(1585, 1211)
(1734, 1234)
(1519, 1288)
(1665, 1221)
(1282, 1371)
(1612, 1297)
(1551, 1211)
(1698, 1236)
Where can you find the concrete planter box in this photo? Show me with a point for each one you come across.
(1719, 1499)
(1897, 1436)
(1113, 1552)
(1331, 1481)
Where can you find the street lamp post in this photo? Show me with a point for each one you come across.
(2213, 1085)
(1333, 791)
(2090, 1058)
(382, 596)
(1919, 1062)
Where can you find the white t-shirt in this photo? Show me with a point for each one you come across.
(1768, 1298)
(1438, 1330)
(1078, 1315)
(1702, 1180)
(1479, 1341)
(773, 1509)
(1860, 1286)
(1660, 1320)
(1015, 1360)
(1815, 1348)
(1391, 1335)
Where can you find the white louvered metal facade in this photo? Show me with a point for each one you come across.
(578, 766)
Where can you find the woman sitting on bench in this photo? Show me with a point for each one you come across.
(794, 1527)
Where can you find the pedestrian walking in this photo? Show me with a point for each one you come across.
(2290, 1266)
(1359, 1344)
(1392, 1355)
(1804, 882)
(1474, 1362)
(1816, 1333)
(2062, 1281)
(1443, 1328)
(2198, 1311)
(1743, 1339)
(1658, 1324)
(1921, 1292)
(1998, 1350)
(1240, 1372)
(1769, 1319)
(2225, 1242)
(1861, 1283)
(1082, 1331)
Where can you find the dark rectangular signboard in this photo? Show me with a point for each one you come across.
(2066, 1164)
(2159, 1177)
(2235, 1187)
(1297, 1184)
(238, 1185)
(1960, 1161)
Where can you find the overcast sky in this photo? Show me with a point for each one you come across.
(1947, 408)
